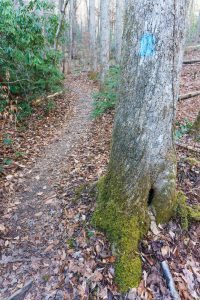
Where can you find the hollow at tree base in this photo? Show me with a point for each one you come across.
(125, 225)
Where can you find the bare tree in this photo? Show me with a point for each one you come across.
(92, 33)
(104, 39)
(198, 30)
(58, 32)
(119, 28)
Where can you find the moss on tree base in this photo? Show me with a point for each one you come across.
(123, 229)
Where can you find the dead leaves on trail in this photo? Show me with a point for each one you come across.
(83, 263)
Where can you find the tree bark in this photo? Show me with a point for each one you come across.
(60, 24)
(142, 168)
(72, 50)
(104, 39)
(119, 28)
(198, 30)
(92, 35)
(196, 125)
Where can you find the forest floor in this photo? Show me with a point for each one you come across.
(48, 248)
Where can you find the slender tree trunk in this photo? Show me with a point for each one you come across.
(92, 33)
(71, 17)
(198, 31)
(119, 28)
(104, 39)
(196, 125)
(142, 168)
(60, 24)
(87, 12)
(72, 29)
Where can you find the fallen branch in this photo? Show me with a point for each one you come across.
(170, 281)
(190, 148)
(189, 95)
(190, 62)
(192, 47)
(20, 294)
(54, 95)
(37, 102)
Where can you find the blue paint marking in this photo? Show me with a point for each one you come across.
(147, 45)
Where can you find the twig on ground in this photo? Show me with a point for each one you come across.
(20, 294)
(190, 148)
(190, 62)
(189, 95)
(170, 281)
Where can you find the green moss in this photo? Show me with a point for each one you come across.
(123, 227)
(194, 212)
(93, 75)
(46, 277)
(182, 210)
(163, 207)
(128, 272)
(192, 161)
(186, 212)
(164, 199)
(70, 243)
(78, 192)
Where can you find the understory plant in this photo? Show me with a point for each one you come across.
(29, 65)
(106, 99)
(183, 128)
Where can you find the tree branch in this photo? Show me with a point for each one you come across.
(60, 24)
(189, 95)
(190, 62)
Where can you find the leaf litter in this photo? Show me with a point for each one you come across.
(48, 200)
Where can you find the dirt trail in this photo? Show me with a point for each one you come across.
(35, 250)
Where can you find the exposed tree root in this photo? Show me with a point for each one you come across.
(170, 281)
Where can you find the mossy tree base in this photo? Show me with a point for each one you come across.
(124, 231)
(125, 223)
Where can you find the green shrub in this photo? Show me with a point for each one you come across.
(29, 65)
(106, 99)
(183, 128)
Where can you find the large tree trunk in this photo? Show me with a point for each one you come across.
(92, 32)
(104, 38)
(120, 4)
(142, 168)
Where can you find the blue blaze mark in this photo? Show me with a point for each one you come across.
(147, 45)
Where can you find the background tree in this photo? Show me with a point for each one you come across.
(104, 39)
(92, 34)
(142, 167)
(119, 28)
